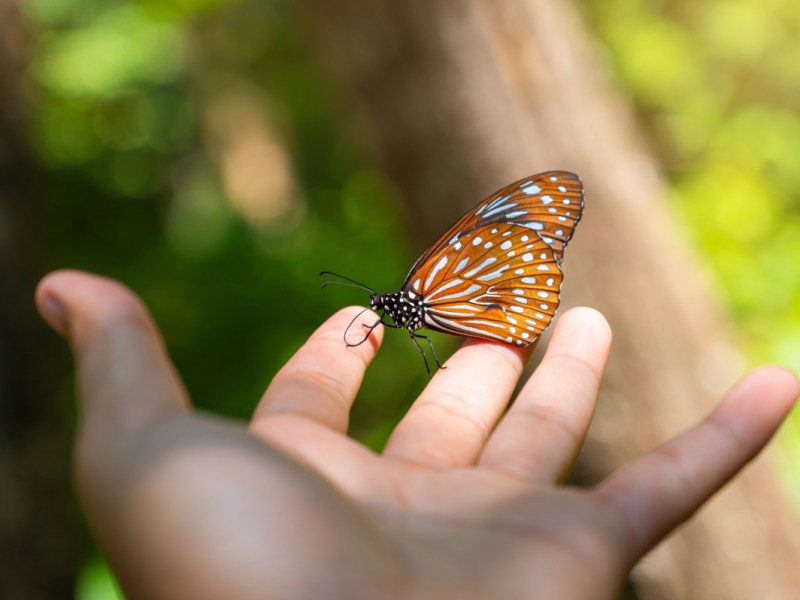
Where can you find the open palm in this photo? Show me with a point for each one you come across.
(463, 502)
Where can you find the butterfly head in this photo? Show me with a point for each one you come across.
(377, 302)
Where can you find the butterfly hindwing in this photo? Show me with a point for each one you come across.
(498, 282)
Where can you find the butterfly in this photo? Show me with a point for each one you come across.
(495, 274)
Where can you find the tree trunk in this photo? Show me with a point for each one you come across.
(459, 98)
(38, 531)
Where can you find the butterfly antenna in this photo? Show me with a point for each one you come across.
(348, 344)
(353, 283)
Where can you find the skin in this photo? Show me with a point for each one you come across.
(462, 503)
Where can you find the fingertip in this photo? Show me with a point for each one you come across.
(779, 378)
(588, 319)
(762, 399)
(583, 333)
(515, 356)
(51, 309)
(50, 297)
(322, 379)
(349, 319)
(79, 304)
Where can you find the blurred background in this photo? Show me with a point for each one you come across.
(216, 155)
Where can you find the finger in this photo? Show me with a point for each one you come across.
(542, 432)
(321, 380)
(449, 423)
(125, 379)
(663, 488)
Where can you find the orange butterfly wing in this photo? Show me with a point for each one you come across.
(496, 273)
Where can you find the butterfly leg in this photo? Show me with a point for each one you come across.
(416, 336)
(369, 329)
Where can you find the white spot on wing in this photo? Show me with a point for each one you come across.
(468, 292)
(527, 257)
(506, 245)
(529, 280)
(439, 266)
(546, 199)
(480, 267)
(530, 189)
(494, 203)
(432, 318)
(461, 265)
(442, 288)
(415, 285)
(517, 309)
(493, 274)
(499, 208)
(458, 310)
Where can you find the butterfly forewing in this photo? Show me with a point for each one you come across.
(549, 203)
(496, 273)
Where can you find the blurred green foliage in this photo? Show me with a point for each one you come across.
(125, 96)
(718, 85)
(132, 101)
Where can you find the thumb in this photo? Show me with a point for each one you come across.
(125, 379)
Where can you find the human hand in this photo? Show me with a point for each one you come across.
(463, 502)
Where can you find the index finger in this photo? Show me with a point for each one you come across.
(321, 380)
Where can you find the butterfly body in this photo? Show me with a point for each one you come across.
(406, 309)
(496, 273)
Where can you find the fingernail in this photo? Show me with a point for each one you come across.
(54, 313)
